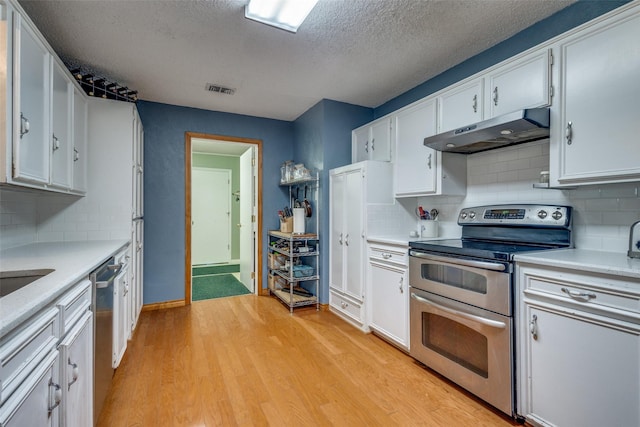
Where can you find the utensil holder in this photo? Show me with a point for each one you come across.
(428, 228)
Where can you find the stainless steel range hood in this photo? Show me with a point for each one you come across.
(509, 129)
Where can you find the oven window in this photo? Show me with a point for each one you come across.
(456, 342)
(455, 277)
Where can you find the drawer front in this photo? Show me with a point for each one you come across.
(389, 253)
(346, 306)
(73, 305)
(602, 293)
(20, 353)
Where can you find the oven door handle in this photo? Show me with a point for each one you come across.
(472, 317)
(466, 262)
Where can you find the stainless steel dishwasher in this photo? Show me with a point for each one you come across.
(102, 280)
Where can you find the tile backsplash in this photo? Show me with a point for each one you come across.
(602, 213)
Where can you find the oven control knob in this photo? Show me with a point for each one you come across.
(556, 215)
(542, 214)
(463, 215)
(472, 215)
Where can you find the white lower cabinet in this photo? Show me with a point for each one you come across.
(76, 362)
(36, 402)
(388, 284)
(121, 310)
(579, 349)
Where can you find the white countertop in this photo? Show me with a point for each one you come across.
(585, 260)
(402, 240)
(72, 261)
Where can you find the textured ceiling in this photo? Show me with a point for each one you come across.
(362, 52)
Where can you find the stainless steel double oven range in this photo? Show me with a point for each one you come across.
(462, 295)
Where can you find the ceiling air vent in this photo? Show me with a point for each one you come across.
(219, 89)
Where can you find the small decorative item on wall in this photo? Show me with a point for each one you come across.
(102, 88)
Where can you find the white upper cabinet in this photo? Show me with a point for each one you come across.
(80, 145)
(461, 106)
(594, 136)
(420, 170)
(43, 114)
(523, 83)
(61, 135)
(31, 105)
(372, 141)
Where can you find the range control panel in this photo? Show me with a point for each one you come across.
(517, 215)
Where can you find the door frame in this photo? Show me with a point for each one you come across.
(187, 160)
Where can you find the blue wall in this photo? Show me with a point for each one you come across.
(323, 142)
(164, 184)
(566, 19)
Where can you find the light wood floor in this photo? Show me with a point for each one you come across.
(245, 361)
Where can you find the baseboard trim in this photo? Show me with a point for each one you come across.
(163, 305)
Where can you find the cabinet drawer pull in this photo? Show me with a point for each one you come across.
(386, 255)
(579, 296)
(533, 327)
(54, 398)
(24, 125)
(74, 373)
(569, 133)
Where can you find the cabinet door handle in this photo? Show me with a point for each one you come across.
(401, 287)
(56, 142)
(24, 125)
(340, 239)
(373, 141)
(56, 397)
(579, 296)
(495, 96)
(366, 146)
(569, 133)
(76, 155)
(533, 327)
(74, 373)
(429, 161)
(475, 103)
(346, 239)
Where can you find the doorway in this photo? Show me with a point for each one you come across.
(223, 231)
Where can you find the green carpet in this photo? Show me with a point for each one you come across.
(216, 286)
(215, 269)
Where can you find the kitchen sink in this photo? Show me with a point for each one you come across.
(11, 281)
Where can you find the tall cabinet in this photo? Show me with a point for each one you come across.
(115, 189)
(352, 188)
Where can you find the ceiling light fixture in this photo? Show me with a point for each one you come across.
(285, 14)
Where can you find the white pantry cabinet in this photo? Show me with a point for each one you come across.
(116, 174)
(388, 290)
(351, 188)
(121, 310)
(419, 170)
(372, 141)
(594, 137)
(579, 340)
